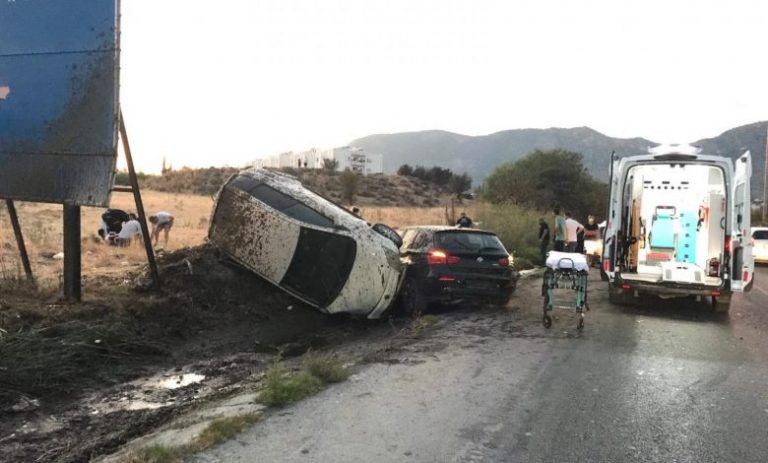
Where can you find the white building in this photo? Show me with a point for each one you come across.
(351, 157)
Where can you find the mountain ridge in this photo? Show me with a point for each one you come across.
(479, 155)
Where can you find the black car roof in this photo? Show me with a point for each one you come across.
(441, 228)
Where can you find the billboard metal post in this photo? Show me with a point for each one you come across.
(139, 203)
(19, 238)
(72, 267)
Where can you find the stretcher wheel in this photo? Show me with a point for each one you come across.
(547, 320)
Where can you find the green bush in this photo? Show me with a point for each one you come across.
(281, 389)
(325, 366)
(516, 226)
(222, 429)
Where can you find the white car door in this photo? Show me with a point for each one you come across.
(742, 261)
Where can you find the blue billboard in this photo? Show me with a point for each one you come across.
(59, 68)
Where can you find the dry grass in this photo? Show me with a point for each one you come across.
(325, 366)
(156, 453)
(399, 217)
(220, 430)
(42, 228)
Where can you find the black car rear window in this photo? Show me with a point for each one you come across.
(468, 241)
(280, 201)
(760, 234)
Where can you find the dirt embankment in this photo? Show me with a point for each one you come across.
(73, 378)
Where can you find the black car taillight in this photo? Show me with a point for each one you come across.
(440, 257)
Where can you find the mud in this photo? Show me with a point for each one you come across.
(219, 328)
(211, 319)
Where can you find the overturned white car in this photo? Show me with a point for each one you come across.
(305, 244)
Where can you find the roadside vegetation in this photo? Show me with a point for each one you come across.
(517, 227)
(218, 431)
(544, 179)
(156, 453)
(518, 193)
(422, 322)
(54, 359)
(221, 430)
(281, 388)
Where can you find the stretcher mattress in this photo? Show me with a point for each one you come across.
(566, 260)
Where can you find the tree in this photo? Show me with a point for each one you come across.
(330, 164)
(459, 184)
(405, 170)
(420, 172)
(439, 175)
(544, 179)
(350, 181)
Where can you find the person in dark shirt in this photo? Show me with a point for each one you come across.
(112, 222)
(543, 239)
(464, 221)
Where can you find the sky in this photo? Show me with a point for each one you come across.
(223, 83)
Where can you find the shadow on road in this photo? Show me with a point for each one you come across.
(686, 309)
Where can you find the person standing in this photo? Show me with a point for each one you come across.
(543, 239)
(572, 230)
(559, 231)
(162, 221)
(464, 221)
(591, 233)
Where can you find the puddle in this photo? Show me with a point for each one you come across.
(178, 381)
(134, 405)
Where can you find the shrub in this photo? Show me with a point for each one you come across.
(222, 429)
(156, 453)
(325, 366)
(516, 226)
(281, 389)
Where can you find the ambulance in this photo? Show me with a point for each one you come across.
(678, 225)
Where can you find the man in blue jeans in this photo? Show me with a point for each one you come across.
(559, 231)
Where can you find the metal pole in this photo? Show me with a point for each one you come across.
(72, 283)
(139, 203)
(19, 238)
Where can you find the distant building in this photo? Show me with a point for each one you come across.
(352, 157)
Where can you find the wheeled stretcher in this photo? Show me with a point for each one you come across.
(565, 285)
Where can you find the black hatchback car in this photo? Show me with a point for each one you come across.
(450, 265)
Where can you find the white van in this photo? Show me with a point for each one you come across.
(678, 225)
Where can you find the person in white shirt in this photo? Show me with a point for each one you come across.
(572, 230)
(130, 230)
(162, 221)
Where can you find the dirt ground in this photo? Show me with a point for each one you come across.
(212, 321)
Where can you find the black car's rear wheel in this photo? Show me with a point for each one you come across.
(501, 302)
(413, 302)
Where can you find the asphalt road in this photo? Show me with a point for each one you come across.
(662, 382)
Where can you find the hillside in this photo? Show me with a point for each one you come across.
(479, 155)
(373, 190)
